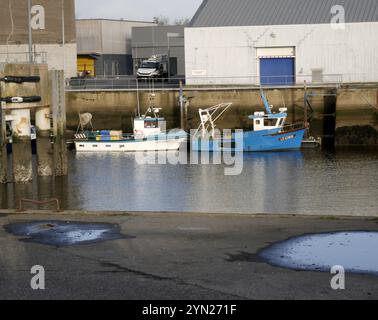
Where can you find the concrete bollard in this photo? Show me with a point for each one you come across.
(44, 149)
(22, 157)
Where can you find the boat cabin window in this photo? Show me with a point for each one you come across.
(281, 121)
(270, 122)
(258, 122)
(151, 124)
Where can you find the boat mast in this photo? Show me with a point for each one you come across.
(138, 102)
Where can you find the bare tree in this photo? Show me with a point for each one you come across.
(182, 22)
(161, 20)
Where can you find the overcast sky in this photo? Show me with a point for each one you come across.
(136, 9)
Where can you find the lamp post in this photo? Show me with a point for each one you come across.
(169, 36)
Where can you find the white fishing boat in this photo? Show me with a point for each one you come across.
(149, 135)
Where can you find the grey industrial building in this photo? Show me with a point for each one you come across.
(282, 42)
(109, 43)
(166, 40)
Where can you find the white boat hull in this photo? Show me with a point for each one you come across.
(129, 145)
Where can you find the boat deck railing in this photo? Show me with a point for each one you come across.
(293, 126)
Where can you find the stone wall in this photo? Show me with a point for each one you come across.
(115, 109)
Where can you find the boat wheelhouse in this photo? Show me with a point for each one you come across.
(149, 126)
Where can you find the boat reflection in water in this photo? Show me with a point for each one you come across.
(292, 182)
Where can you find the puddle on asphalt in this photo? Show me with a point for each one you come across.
(61, 233)
(357, 252)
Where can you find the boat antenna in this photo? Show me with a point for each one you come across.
(283, 100)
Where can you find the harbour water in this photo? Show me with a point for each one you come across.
(343, 181)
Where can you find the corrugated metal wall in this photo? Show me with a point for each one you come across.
(226, 55)
(106, 36)
(111, 39)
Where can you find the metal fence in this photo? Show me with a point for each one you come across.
(281, 80)
(131, 83)
(22, 57)
(124, 82)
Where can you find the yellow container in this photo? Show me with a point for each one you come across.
(86, 65)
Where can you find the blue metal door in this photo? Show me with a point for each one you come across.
(277, 71)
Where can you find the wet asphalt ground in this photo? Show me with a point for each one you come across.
(165, 256)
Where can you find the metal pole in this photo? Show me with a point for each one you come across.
(138, 102)
(182, 113)
(3, 140)
(63, 37)
(31, 60)
(136, 65)
(169, 59)
(305, 109)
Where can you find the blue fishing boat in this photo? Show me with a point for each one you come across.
(270, 132)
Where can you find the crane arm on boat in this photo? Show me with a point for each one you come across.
(265, 101)
(210, 116)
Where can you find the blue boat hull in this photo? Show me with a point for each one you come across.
(254, 141)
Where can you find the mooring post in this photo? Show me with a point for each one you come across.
(3, 141)
(182, 107)
(58, 107)
(305, 107)
(44, 148)
(329, 124)
(21, 146)
(294, 116)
